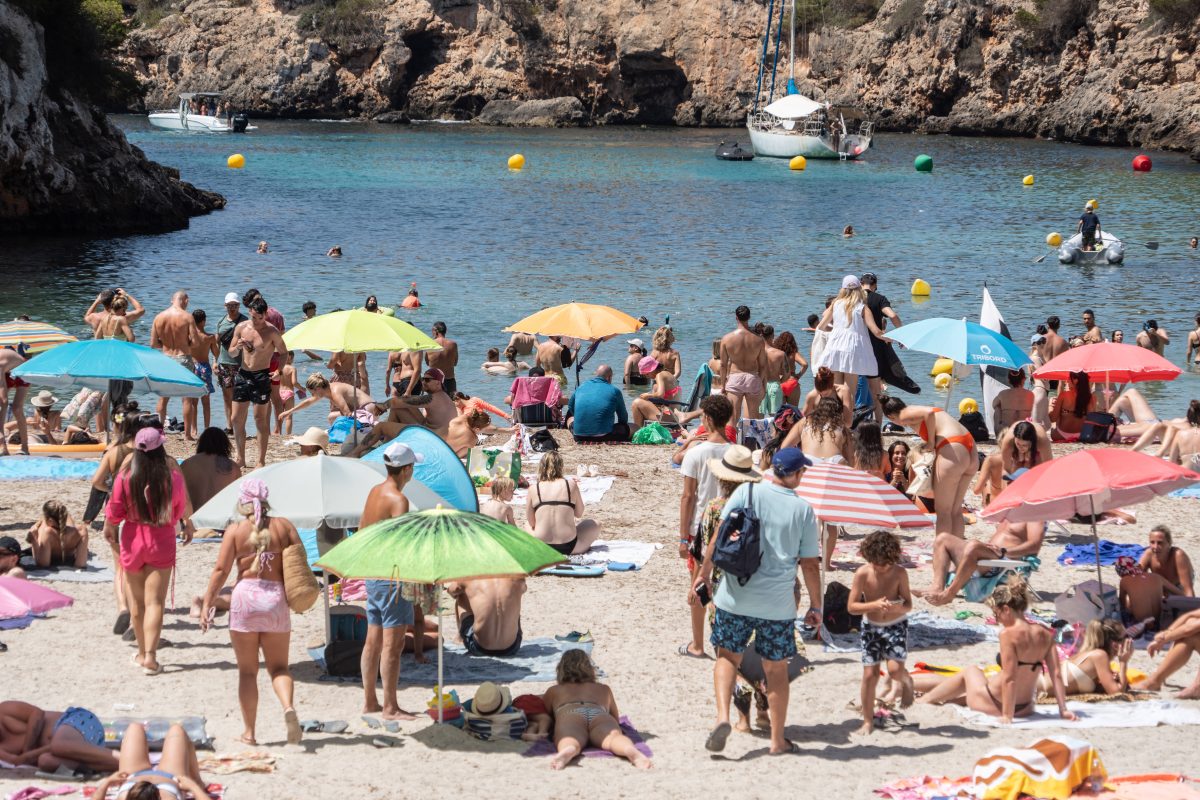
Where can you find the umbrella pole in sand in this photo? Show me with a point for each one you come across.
(441, 647)
(1096, 544)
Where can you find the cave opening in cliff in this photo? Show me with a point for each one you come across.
(653, 88)
(428, 51)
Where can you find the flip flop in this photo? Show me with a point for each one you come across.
(621, 566)
(715, 742)
(150, 673)
(293, 726)
(683, 651)
(122, 623)
(792, 749)
(384, 741)
(316, 726)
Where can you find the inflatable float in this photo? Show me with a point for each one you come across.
(1109, 250)
(66, 450)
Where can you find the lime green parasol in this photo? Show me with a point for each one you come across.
(357, 331)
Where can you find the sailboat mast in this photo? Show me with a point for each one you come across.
(792, 51)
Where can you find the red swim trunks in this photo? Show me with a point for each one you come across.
(11, 382)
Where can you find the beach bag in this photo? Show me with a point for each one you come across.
(1098, 428)
(835, 613)
(1086, 601)
(922, 482)
(507, 724)
(485, 463)
(976, 425)
(299, 583)
(652, 433)
(542, 441)
(738, 551)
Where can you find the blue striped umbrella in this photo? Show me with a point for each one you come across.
(961, 341)
(94, 363)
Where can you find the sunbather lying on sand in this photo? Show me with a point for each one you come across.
(51, 739)
(136, 779)
(585, 712)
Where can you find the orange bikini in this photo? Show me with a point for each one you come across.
(965, 439)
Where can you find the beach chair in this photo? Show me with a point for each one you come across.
(535, 401)
(701, 388)
(991, 572)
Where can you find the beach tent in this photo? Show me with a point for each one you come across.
(442, 471)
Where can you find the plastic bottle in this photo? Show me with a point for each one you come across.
(1136, 630)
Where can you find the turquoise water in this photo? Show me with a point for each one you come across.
(642, 219)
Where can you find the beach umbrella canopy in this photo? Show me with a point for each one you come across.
(842, 495)
(1111, 362)
(94, 363)
(309, 491)
(357, 331)
(961, 341)
(37, 336)
(578, 320)
(20, 598)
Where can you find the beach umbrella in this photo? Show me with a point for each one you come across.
(95, 362)
(1112, 362)
(842, 495)
(314, 490)
(20, 598)
(1087, 483)
(437, 546)
(37, 336)
(357, 331)
(578, 320)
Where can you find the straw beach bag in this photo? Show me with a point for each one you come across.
(299, 582)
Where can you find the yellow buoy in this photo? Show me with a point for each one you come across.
(1027, 180)
(516, 161)
(967, 406)
(1054, 239)
(236, 161)
(942, 366)
(941, 381)
(798, 163)
(920, 288)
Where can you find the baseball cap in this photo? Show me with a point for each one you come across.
(851, 282)
(148, 439)
(1037, 338)
(9, 545)
(869, 277)
(232, 297)
(789, 460)
(436, 374)
(635, 342)
(401, 455)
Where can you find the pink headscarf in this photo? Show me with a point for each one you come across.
(254, 492)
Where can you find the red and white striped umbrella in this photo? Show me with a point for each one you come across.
(841, 494)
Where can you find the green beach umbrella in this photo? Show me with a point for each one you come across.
(356, 331)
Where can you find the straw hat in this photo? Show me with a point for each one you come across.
(736, 465)
(491, 699)
(313, 437)
(44, 399)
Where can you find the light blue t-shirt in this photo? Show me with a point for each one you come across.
(788, 531)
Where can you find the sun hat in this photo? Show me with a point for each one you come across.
(491, 699)
(401, 455)
(638, 343)
(436, 374)
(851, 282)
(9, 546)
(44, 399)
(648, 364)
(148, 439)
(313, 437)
(232, 297)
(789, 460)
(736, 464)
(1037, 338)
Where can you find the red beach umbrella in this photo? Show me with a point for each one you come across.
(842, 495)
(1111, 362)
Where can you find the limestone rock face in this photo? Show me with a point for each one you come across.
(557, 112)
(64, 168)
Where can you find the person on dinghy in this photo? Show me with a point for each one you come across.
(1089, 226)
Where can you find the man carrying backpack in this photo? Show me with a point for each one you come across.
(758, 599)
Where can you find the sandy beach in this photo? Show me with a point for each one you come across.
(638, 620)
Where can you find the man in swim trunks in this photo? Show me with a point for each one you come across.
(1089, 226)
(53, 739)
(174, 332)
(403, 373)
(203, 349)
(1092, 333)
(881, 309)
(489, 615)
(550, 358)
(10, 359)
(1055, 345)
(743, 365)
(963, 555)
(445, 359)
(256, 342)
(227, 365)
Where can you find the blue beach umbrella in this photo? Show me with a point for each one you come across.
(94, 363)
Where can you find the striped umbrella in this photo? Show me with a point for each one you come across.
(38, 336)
(842, 495)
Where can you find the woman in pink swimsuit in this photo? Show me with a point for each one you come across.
(259, 619)
(665, 387)
(151, 499)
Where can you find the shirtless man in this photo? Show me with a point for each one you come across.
(445, 359)
(1142, 593)
(204, 349)
(344, 400)
(433, 408)
(1193, 343)
(1092, 333)
(256, 341)
(526, 343)
(743, 365)
(489, 615)
(50, 739)
(10, 359)
(778, 369)
(98, 310)
(403, 369)
(174, 332)
(550, 359)
(463, 432)
(389, 615)
(963, 555)
(1152, 337)
(1055, 345)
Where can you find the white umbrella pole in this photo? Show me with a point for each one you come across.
(1096, 544)
(440, 688)
(325, 597)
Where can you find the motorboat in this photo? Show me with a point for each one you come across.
(732, 151)
(1109, 250)
(795, 125)
(185, 118)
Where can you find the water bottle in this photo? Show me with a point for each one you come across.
(1136, 630)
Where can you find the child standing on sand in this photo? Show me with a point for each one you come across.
(880, 593)
(287, 393)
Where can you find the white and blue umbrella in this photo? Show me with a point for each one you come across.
(92, 364)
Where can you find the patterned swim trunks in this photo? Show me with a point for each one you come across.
(226, 373)
(204, 372)
(884, 642)
(774, 639)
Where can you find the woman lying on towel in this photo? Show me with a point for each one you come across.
(136, 779)
(585, 712)
(1089, 671)
(1025, 650)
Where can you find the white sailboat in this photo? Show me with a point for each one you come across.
(185, 119)
(795, 125)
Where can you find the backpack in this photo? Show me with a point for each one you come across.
(976, 425)
(836, 614)
(542, 441)
(738, 551)
(1098, 428)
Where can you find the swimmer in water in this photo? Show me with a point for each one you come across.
(262, 248)
(848, 231)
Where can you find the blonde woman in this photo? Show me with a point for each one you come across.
(552, 507)
(848, 351)
(259, 619)
(664, 353)
(585, 712)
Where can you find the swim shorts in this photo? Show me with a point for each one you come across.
(774, 639)
(184, 360)
(226, 374)
(204, 372)
(466, 629)
(11, 382)
(252, 387)
(450, 386)
(884, 642)
(743, 383)
(386, 607)
(84, 721)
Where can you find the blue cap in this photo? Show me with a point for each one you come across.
(788, 461)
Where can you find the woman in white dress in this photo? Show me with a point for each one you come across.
(848, 352)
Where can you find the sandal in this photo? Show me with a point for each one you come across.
(683, 651)
(792, 749)
(316, 726)
(715, 742)
(122, 623)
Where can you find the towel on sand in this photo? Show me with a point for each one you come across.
(1148, 714)
(94, 572)
(38, 468)
(1192, 491)
(591, 489)
(925, 630)
(1084, 555)
(618, 550)
(545, 747)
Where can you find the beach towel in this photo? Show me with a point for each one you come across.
(39, 468)
(1148, 714)
(1192, 491)
(16, 623)
(980, 587)
(95, 572)
(617, 550)
(38, 792)
(1084, 555)
(535, 662)
(1050, 769)
(245, 761)
(545, 747)
(925, 630)
(927, 787)
(591, 489)
(1149, 787)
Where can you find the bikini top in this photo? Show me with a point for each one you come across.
(540, 502)
(923, 431)
(1034, 666)
(169, 786)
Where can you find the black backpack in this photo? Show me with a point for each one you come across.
(1098, 428)
(738, 551)
(976, 425)
(542, 441)
(836, 611)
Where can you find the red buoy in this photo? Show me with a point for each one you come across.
(1141, 163)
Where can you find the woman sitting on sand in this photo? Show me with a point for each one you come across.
(1025, 650)
(585, 712)
(1069, 409)
(57, 540)
(822, 434)
(1089, 671)
(1180, 437)
(259, 618)
(823, 386)
(177, 772)
(1023, 446)
(899, 473)
(867, 451)
(552, 506)
(1163, 558)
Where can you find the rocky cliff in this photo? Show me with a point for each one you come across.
(63, 167)
(1102, 71)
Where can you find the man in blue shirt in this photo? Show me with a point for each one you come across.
(765, 606)
(597, 412)
(1089, 226)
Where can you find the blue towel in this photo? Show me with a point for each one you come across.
(24, 468)
(1187, 491)
(1084, 555)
